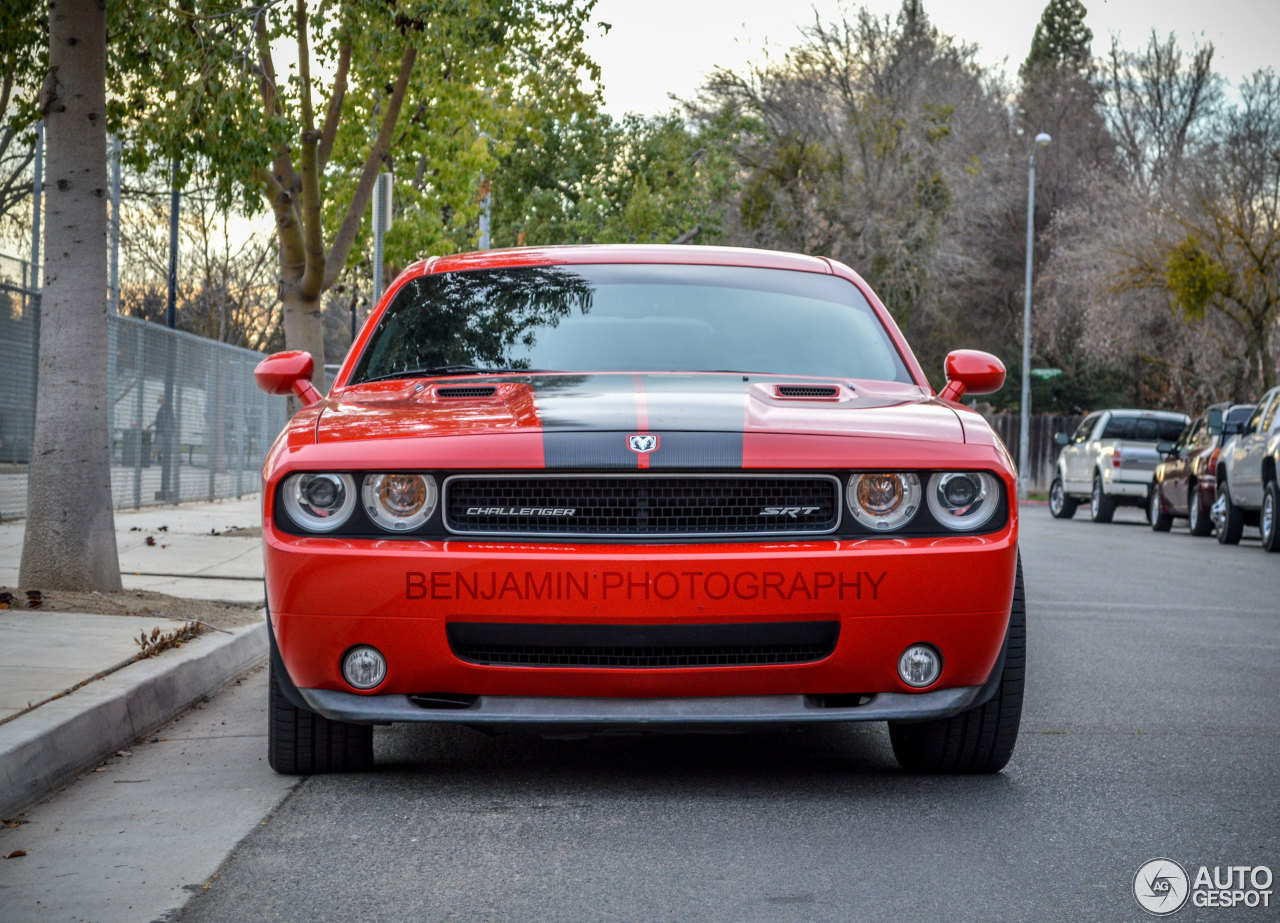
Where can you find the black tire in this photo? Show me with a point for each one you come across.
(1159, 519)
(301, 742)
(1197, 516)
(1060, 505)
(1269, 518)
(1232, 526)
(1101, 507)
(982, 738)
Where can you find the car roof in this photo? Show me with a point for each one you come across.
(672, 254)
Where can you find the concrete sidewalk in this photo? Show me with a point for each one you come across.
(70, 693)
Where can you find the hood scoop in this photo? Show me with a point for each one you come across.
(807, 392)
(466, 391)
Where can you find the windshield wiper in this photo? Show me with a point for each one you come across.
(441, 370)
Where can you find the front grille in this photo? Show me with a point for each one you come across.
(473, 391)
(642, 646)
(812, 391)
(683, 506)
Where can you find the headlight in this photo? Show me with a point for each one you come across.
(963, 500)
(399, 502)
(319, 502)
(883, 500)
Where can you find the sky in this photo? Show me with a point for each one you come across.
(657, 47)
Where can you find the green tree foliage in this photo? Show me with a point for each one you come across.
(592, 179)
(430, 91)
(1061, 41)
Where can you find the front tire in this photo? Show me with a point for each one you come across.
(1269, 518)
(1197, 516)
(1060, 505)
(301, 742)
(1159, 519)
(982, 738)
(1101, 507)
(1232, 525)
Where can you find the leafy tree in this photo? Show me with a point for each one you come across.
(24, 41)
(407, 86)
(597, 180)
(1061, 40)
(70, 539)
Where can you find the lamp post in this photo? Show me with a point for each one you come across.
(1024, 435)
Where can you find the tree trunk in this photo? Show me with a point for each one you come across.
(303, 329)
(70, 540)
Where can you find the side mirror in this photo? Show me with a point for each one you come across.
(1215, 422)
(971, 370)
(288, 373)
(1165, 448)
(1233, 428)
(1061, 439)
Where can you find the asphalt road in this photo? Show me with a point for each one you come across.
(1150, 731)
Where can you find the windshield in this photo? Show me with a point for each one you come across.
(602, 318)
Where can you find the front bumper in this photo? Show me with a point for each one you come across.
(328, 594)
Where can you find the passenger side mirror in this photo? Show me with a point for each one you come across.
(971, 370)
(1215, 422)
(1165, 448)
(1061, 439)
(1232, 428)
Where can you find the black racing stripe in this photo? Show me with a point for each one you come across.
(699, 418)
(593, 451)
(585, 420)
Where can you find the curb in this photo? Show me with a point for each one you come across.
(64, 737)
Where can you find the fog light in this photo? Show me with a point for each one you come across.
(919, 665)
(364, 667)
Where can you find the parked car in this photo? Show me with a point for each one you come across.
(635, 488)
(1248, 492)
(1109, 460)
(1186, 481)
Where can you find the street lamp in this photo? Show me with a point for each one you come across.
(1024, 438)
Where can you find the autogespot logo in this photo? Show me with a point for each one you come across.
(1161, 887)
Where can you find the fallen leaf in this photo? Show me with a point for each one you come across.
(124, 753)
(164, 528)
(16, 854)
(151, 539)
(12, 822)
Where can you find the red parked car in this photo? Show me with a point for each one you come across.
(1185, 483)
(618, 488)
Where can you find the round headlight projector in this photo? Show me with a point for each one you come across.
(364, 666)
(920, 665)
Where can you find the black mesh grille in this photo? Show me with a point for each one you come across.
(654, 505)
(481, 391)
(808, 391)
(643, 647)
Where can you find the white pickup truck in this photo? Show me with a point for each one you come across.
(1109, 460)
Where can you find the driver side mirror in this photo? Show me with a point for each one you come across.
(1061, 439)
(1233, 428)
(971, 370)
(288, 373)
(1215, 422)
(1165, 448)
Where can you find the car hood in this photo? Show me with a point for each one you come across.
(661, 403)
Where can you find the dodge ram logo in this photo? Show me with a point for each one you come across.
(642, 443)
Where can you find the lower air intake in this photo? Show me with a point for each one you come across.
(642, 646)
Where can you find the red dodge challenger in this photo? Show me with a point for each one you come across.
(639, 488)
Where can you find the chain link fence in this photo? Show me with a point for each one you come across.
(187, 421)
